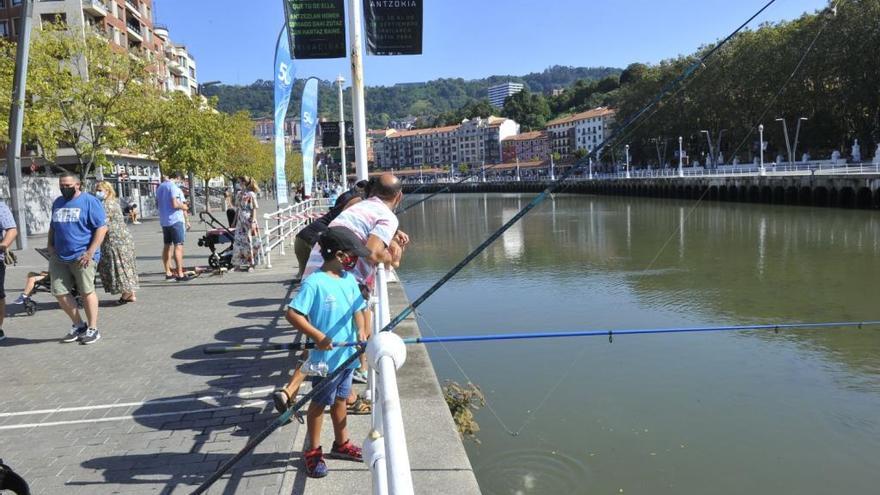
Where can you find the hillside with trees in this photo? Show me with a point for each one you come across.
(428, 101)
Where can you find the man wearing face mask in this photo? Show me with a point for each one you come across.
(78, 227)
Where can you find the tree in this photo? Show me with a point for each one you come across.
(91, 100)
(531, 111)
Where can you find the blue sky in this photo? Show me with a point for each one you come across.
(473, 38)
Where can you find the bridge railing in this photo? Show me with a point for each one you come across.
(385, 450)
(288, 222)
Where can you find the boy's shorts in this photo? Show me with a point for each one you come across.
(339, 388)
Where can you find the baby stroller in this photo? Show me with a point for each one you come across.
(218, 234)
(45, 285)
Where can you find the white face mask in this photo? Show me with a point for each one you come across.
(101, 195)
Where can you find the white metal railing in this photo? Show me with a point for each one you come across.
(385, 450)
(288, 222)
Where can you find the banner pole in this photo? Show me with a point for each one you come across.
(340, 81)
(357, 88)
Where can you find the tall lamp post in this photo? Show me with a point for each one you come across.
(763, 171)
(340, 81)
(627, 161)
(680, 157)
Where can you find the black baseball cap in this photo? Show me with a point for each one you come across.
(341, 239)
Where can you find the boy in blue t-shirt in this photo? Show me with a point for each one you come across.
(329, 308)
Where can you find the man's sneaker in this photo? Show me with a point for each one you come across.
(348, 451)
(359, 376)
(21, 299)
(315, 465)
(75, 333)
(2, 335)
(92, 335)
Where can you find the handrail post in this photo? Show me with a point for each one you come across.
(267, 246)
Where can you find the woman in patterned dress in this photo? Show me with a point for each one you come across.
(118, 265)
(247, 237)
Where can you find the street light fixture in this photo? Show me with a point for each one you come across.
(761, 147)
(680, 157)
(627, 161)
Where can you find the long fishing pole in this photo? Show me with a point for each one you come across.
(224, 349)
(401, 210)
(397, 320)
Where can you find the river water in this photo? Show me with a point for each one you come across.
(723, 413)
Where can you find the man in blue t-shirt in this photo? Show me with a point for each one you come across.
(78, 227)
(8, 233)
(172, 207)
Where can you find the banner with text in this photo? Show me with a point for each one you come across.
(316, 28)
(394, 27)
(330, 134)
(284, 74)
(309, 123)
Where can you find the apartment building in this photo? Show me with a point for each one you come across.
(526, 147)
(500, 92)
(584, 130)
(473, 142)
(264, 130)
(127, 24)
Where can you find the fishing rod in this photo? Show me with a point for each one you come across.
(401, 210)
(397, 320)
(224, 349)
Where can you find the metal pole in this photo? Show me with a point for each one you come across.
(787, 142)
(357, 88)
(797, 134)
(627, 161)
(711, 153)
(761, 147)
(16, 122)
(680, 157)
(340, 80)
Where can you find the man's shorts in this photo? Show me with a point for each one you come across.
(339, 388)
(174, 234)
(67, 276)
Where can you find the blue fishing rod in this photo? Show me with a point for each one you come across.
(224, 349)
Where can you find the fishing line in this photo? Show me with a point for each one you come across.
(401, 210)
(406, 312)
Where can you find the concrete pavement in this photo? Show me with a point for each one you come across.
(145, 411)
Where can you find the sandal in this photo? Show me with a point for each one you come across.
(123, 300)
(360, 406)
(281, 400)
(347, 451)
(315, 465)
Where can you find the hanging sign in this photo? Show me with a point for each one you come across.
(316, 28)
(330, 134)
(394, 27)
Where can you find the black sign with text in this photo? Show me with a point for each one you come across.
(330, 134)
(394, 27)
(316, 28)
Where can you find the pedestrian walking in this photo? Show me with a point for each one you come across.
(247, 239)
(8, 233)
(118, 265)
(172, 204)
(76, 233)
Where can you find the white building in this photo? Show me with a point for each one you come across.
(500, 92)
(581, 131)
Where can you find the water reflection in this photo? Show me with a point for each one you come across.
(796, 411)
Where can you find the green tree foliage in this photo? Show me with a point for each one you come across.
(837, 88)
(88, 103)
(530, 110)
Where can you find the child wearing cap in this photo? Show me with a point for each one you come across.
(329, 308)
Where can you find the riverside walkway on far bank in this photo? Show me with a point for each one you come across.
(145, 411)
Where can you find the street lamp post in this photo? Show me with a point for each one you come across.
(591, 167)
(627, 161)
(680, 158)
(797, 134)
(761, 147)
(340, 81)
(552, 169)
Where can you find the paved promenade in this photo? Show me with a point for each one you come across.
(145, 411)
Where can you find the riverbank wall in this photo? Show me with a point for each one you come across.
(844, 191)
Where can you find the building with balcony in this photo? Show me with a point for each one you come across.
(581, 131)
(526, 147)
(473, 142)
(264, 130)
(498, 93)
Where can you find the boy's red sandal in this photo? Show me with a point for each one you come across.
(347, 450)
(315, 465)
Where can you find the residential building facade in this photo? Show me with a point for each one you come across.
(127, 24)
(473, 142)
(500, 92)
(526, 147)
(581, 131)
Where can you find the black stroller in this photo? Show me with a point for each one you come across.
(44, 285)
(217, 235)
